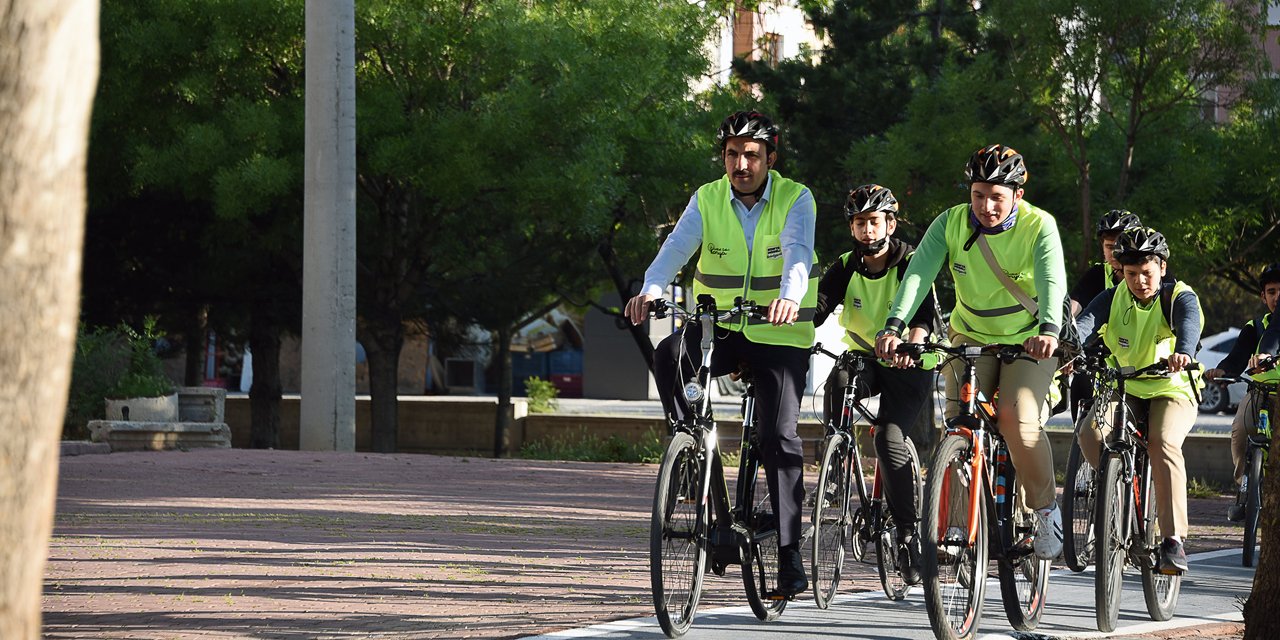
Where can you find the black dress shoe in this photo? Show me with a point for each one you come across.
(792, 578)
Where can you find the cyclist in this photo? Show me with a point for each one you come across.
(754, 229)
(1245, 350)
(865, 280)
(1106, 274)
(1006, 259)
(1145, 322)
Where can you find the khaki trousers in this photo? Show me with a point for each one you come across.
(1021, 414)
(1245, 424)
(1168, 420)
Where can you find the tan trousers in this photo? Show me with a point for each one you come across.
(1245, 424)
(1168, 420)
(1021, 414)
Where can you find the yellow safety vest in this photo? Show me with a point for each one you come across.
(1138, 337)
(1272, 375)
(726, 269)
(985, 310)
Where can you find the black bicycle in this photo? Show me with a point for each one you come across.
(695, 525)
(839, 524)
(973, 510)
(1125, 519)
(1080, 486)
(1249, 497)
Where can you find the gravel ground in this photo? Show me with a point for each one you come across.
(293, 545)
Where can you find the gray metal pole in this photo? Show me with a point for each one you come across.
(328, 420)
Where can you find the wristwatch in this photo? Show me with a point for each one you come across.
(888, 332)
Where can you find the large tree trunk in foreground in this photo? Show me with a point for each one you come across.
(503, 421)
(1260, 619)
(383, 340)
(48, 70)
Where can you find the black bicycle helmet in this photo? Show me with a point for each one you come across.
(1269, 275)
(1135, 243)
(748, 124)
(996, 164)
(1117, 220)
(870, 198)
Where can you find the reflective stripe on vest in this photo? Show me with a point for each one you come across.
(727, 270)
(985, 310)
(1138, 337)
(1272, 375)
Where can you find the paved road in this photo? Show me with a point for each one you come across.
(1210, 593)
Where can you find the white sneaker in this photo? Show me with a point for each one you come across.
(1048, 542)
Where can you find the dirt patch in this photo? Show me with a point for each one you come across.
(294, 545)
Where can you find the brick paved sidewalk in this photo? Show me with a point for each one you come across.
(294, 545)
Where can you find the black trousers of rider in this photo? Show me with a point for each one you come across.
(779, 375)
(904, 396)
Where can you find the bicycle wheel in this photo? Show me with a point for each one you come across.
(954, 568)
(760, 555)
(677, 536)
(1160, 590)
(1023, 577)
(891, 580)
(1080, 490)
(1109, 543)
(832, 523)
(1252, 505)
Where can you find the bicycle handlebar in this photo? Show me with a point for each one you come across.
(843, 359)
(660, 307)
(1007, 353)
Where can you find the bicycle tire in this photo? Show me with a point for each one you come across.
(1252, 506)
(760, 549)
(677, 536)
(1158, 589)
(954, 571)
(891, 580)
(1079, 492)
(1024, 578)
(831, 519)
(1109, 544)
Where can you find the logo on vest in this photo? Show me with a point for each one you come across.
(717, 250)
(959, 268)
(1124, 343)
(857, 303)
(773, 253)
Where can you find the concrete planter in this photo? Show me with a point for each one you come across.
(158, 409)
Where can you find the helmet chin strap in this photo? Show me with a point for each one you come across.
(754, 194)
(872, 248)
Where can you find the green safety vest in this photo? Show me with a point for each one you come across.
(726, 269)
(985, 310)
(1138, 337)
(1274, 374)
(866, 307)
(1108, 276)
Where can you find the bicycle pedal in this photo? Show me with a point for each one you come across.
(774, 596)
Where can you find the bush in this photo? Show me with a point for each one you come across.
(111, 363)
(586, 447)
(542, 395)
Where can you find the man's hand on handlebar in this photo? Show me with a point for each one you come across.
(783, 311)
(1213, 374)
(638, 308)
(1178, 362)
(1040, 347)
(887, 346)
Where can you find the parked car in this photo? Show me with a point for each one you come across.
(1216, 397)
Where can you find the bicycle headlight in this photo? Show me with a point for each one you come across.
(693, 392)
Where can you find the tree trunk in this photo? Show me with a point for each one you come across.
(638, 333)
(1260, 619)
(48, 69)
(1086, 225)
(197, 323)
(382, 342)
(502, 424)
(264, 395)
